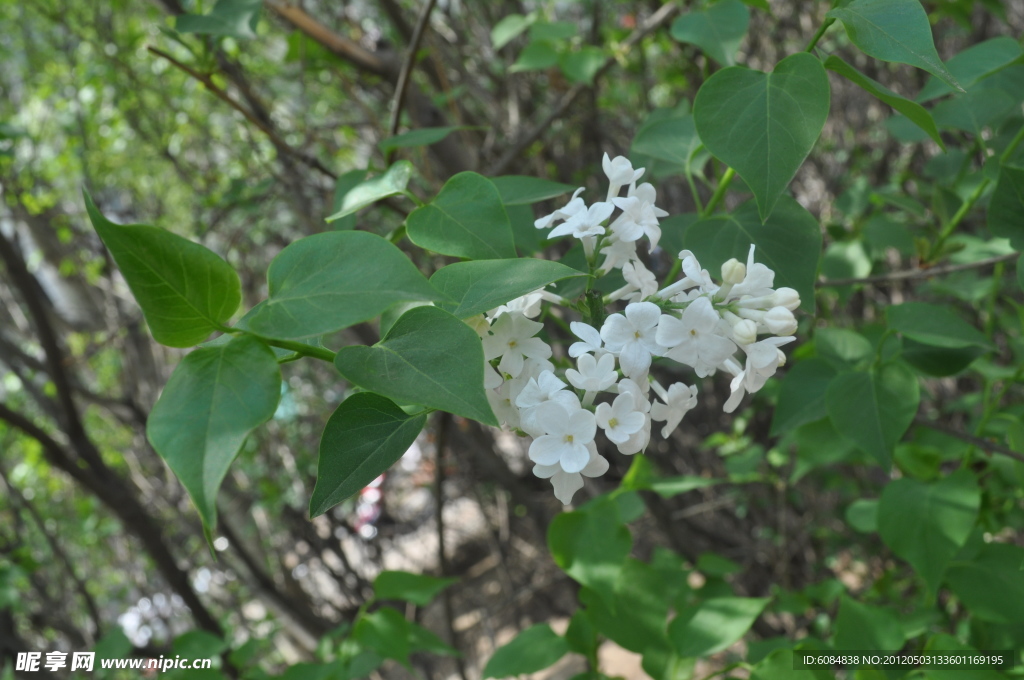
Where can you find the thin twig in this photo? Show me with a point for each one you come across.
(441, 443)
(653, 22)
(406, 73)
(249, 115)
(984, 444)
(917, 273)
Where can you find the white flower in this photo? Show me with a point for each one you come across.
(566, 484)
(620, 419)
(574, 206)
(744, 332)
(566, 437)
(528, 305)
(632, 337)
(619, 172)
(763, 359)
(594, 375)
(679, 399)
(536, 395)
(617, 253)
(492, 378)
(585, 222)
(786, 297)
(590, 337)
(639, 278)
(512, 339)
(637, 441)
(540, 390)
(695, 339)
(639, 215)
(758, 281)
(779, 321)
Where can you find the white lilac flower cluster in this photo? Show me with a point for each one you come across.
(692, 321)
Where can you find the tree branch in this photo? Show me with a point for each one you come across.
(405, 73)
(929, 272)
(983, 444)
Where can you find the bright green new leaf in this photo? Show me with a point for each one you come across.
(525, 190)
(420, 137)
(991, 585)
(714, 624)
(428, 357)
(893, 30)
(802, 395)
(764, 125)
(344, 184)
(973, 64)
(591, 546)
(509, 28)
(387, 632)
(392, 182)
(483, 285)
(862, 515)
(914, 112)
(926, 524)
(789, 243)
(534, 649)
(862, 626)
(537, 56)
(363, 438)
(214, 399)
(466, 219)
(553, 30)
(1006, 211)
(673, 139)
(873, 409)
(326, 282)
(935, 325)
(779, 666)
(637, 621)
(580, 66)
(185, 290)
(718, 30)
(228, 18)
(416, 588)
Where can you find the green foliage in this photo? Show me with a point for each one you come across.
(222, 393)
(228, 18)
(764, 125)
(591, 547)
(429, 358)
(523, 190)
(718, 30)
(363, 438)
(714, 624)
(485, 284)
(1006, 211)
(415, 588)
(532, 650)
(186, 292)
(420, 137)
(390, 183)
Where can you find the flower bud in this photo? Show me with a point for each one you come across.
(479, 324)
(780, 321)
(744, 332)
(786, 297)
(733, 272)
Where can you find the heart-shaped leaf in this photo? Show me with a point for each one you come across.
(524, 190)
(894, 30)
(185, 290)
(466, 219)
(718, 30)
(428, 357)
(362, 438)
(764, 125)
(216, 396)
(392, 182)
(483, 285)
(326, 282)
(789, 243)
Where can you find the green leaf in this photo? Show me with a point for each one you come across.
(583, 64)
(392, 182)
(509, 28)
(483, 285)
(415, 588)
(214, 399)
(326, 282)
(388, 633)
(973, 64)
(991, 585)
(342, 186)
(914, 112)
(935, 325)
(363, 438)
(524, 190)
(534, 649)
(894, 30)
(673, 140)
(862, 515)
(861, 626)
(428, 357)
(670, 487)
(185, 290)
(231, 18)
(637, 620)
(718, 30)
(873, 409)
(938, 361)
(802, 395)
(537, 56)
(714, 624)
(926, 524)
(764, 125)
(198, 644)
(466, 219)
(789, 243)
(591, 546)
(420, 137)
(779, 665)
(975, 111)
(553, 30)
(1006, 211)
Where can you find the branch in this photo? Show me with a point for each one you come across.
(917, 273)
(249, 115)
(653, 22)
(407, 66)
(984, 444)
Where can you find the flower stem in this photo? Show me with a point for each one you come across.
(716, 198)
(817, 36)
